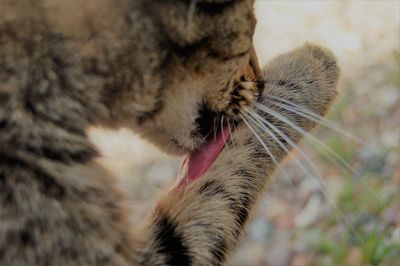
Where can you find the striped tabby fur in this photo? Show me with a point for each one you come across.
(151, 66)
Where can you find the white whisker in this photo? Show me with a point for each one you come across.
(222, 130)
(297, 109)
(320, 144)
(268, 151)
(230, 131)
(192, 9)
(215, 128)
(289, 141)
(317, 176)
(243, 116)
(300, 130)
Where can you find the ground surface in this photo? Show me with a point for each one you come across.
(338, 218)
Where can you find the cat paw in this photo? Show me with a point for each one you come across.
(245, 92)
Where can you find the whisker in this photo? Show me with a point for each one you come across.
(268, 150)
(319, 145)
(230, 131)
(191, 11)
(222, 129)
(215, 128)
(296, 127)
(300, 110)
(288, 140)
(317, 176)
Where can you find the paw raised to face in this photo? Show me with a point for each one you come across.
(196, 65)
(246, 89)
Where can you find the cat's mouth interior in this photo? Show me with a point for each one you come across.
(207, 122)
(216, 133)
(199, 161)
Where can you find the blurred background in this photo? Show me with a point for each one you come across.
(338, 217)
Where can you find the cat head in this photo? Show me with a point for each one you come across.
(180, 69)
(166, 69)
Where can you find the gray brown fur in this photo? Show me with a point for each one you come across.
(149, 66)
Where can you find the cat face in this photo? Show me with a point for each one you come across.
(166, 69)
(183, 65)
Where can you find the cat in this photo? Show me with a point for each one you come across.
(168, 70)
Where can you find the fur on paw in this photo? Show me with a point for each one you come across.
(245, 91)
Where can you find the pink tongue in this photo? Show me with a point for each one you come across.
(202, 159)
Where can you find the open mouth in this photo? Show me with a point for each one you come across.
(199, 161)
(216, 135)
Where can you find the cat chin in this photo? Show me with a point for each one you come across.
(177, 148)
(173, 149)
(172, 146)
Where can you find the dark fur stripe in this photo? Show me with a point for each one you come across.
(3, 124)
(242, 215)
(224, 57)
(188, 49)
(67, 157)
(219, 251)
(212, 188)
(49, 185)
(245, 201)
(215, 8)
(242, 212)
(30, 107)
(171, 243)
